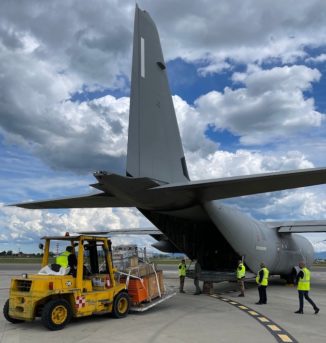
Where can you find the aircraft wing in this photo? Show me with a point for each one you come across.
(299, 226)
(246, 185)
(87, 201)
(130, 231)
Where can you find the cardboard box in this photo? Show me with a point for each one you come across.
(154, 286)
(133, 261)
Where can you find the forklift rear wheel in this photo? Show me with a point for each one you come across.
(6, 314)
(121, 305)
(56, 314)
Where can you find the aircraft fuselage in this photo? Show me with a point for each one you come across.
(218, 235)
(257, 242)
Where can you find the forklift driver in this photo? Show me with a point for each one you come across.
(68, 258)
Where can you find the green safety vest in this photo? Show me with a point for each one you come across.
(304, 283)
(241, 271)
(182, 269)
(62, 259)
(264, 281)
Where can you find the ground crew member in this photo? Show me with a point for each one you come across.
(182, 275)
(241, 273)
(262, 281)
(67, 259)
(196, 279)
(303, 282)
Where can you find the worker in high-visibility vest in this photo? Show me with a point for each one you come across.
(262, 281)
(241, 273)
(303, 282)
(67, 259)
(182, 275)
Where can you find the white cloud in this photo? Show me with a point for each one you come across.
(74, 38)
(82, 137)
(297, 204)
(318, 59)
(49, 52)
(192, 127)
(318, 246)
(241, 31)
(214, 67)
(271, 108)
(243, 162)
(22, 226)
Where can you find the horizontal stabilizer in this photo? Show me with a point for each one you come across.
(299, 226)
(87, 201)
(246, 185)
(145, 193)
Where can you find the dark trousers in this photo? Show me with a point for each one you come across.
(262, 294)
(305, 294)
(182, 282)
(241, 286)
(196, 283)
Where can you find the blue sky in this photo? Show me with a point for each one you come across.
(248, 86)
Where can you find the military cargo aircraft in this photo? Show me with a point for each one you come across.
(189, 216)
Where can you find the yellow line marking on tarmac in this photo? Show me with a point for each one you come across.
(274, 327)
(263, 319)
(277, 332)
(243, 307)
(253, 313)
(285, 338)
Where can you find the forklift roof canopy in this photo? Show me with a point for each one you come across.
(74, 238)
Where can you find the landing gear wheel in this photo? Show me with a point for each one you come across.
(56, 314)
(121, 305)
(6, 314)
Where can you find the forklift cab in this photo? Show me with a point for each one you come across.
(94, 268)
(95, 258)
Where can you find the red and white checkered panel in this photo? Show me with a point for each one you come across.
(80, 301)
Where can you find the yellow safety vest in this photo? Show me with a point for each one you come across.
(264, 281)
(304, 283)
(241, 271)
(62, 259)
(182, 269)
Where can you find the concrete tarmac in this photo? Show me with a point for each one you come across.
(188, 318)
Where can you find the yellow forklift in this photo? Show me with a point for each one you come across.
(56, 294)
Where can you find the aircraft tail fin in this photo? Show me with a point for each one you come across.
(154, 143)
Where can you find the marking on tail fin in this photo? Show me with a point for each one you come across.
(184, 168)
(161, 65)
(142, 57)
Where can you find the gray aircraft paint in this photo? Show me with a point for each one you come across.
(187, 213)
(154, 144)
(257, 242)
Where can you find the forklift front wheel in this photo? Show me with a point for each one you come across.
(121, 305)
(6, 314)
(56, 314)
